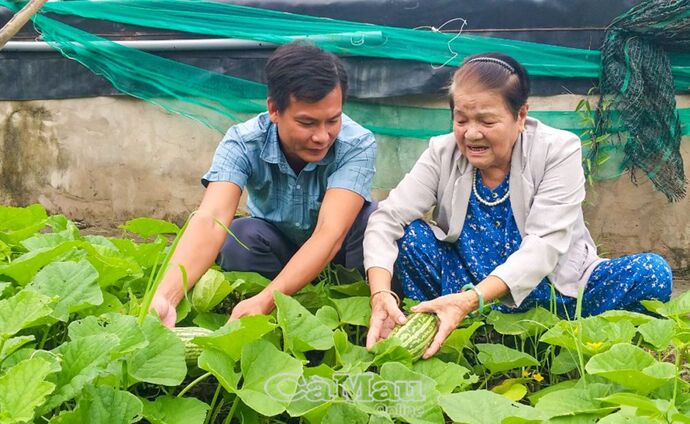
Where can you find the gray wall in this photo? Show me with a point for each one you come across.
(105, 160)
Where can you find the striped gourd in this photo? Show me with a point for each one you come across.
(417, 333)
(191, 349)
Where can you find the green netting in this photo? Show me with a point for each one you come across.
(636, 81)
(219, 100)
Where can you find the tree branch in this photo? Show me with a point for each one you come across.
(19, 20)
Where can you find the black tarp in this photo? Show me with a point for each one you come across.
(48, 75)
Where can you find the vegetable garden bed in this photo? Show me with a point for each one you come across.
(76, 346)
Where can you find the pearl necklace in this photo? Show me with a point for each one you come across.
(483, 201)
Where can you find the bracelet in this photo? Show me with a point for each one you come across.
(391, 292)
(480, 296)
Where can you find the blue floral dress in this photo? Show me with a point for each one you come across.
(428, 268)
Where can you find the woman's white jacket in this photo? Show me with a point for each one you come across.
(547, 187)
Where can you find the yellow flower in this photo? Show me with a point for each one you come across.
(595, 345)
(525, 373)
(537, 377)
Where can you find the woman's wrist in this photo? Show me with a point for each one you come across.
(381, 294)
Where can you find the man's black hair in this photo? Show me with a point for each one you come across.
(304, 71)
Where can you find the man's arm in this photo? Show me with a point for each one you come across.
(338, 212)
(198, 247)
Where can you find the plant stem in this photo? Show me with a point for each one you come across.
(194, 383)
(217, 411)
(213, 404)
(153, 284)
(232, 410)
(578, 344)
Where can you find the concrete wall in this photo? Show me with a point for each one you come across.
(105, 160)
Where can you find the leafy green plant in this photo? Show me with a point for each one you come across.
(76, 345)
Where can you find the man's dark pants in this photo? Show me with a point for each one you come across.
(269, 250)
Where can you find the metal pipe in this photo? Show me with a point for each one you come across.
(356, 38)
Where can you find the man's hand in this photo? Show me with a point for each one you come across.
(260, 304)
(165, 309)
(385, 315)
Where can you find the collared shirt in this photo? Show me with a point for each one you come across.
(250, 156)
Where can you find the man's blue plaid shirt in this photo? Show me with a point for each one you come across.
(250, 156)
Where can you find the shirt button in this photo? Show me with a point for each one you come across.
(494, 195)
(298, 186)
(498, 223)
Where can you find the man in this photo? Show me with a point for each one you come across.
(307, 169)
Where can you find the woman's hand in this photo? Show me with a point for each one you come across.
(451, 309)
(385, 315)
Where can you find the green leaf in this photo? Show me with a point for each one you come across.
(110, 304)
(22, 311)
(676, 307)
(413, 397)
(350, 357)
(484, 407)
(643, 404)
(103, 405)
(564, 362)
(359, 288)
(41, 241)
(314, 393)
(369, 391)
(448, 376)
(246, 283)
(525, 324)
(162, 360)
(635, 318)
(147, 227)
(124, 327)
(631, 367)
(511, 388)
(222, 366)
(578, 400)
(173, 410)
(145, 254)
(328, 317)
(270, 378)
(658, 332)
(568, 384)
(340, 413)
(460, 338)
(301, 330)
(389, 350)
(498, 358)
(16, 224)
(354, 310)
(210, 290)
(235, 335)
(83, 360)
(598, 334)
(13, 344)
(26, 266)
(620, 418)
(23, 388)
(73, 283)
(111, 266)
(210, 320)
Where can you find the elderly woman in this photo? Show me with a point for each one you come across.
(506, 193)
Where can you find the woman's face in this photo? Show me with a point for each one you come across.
(484, 127)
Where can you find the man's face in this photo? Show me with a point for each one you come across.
(308, 130)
